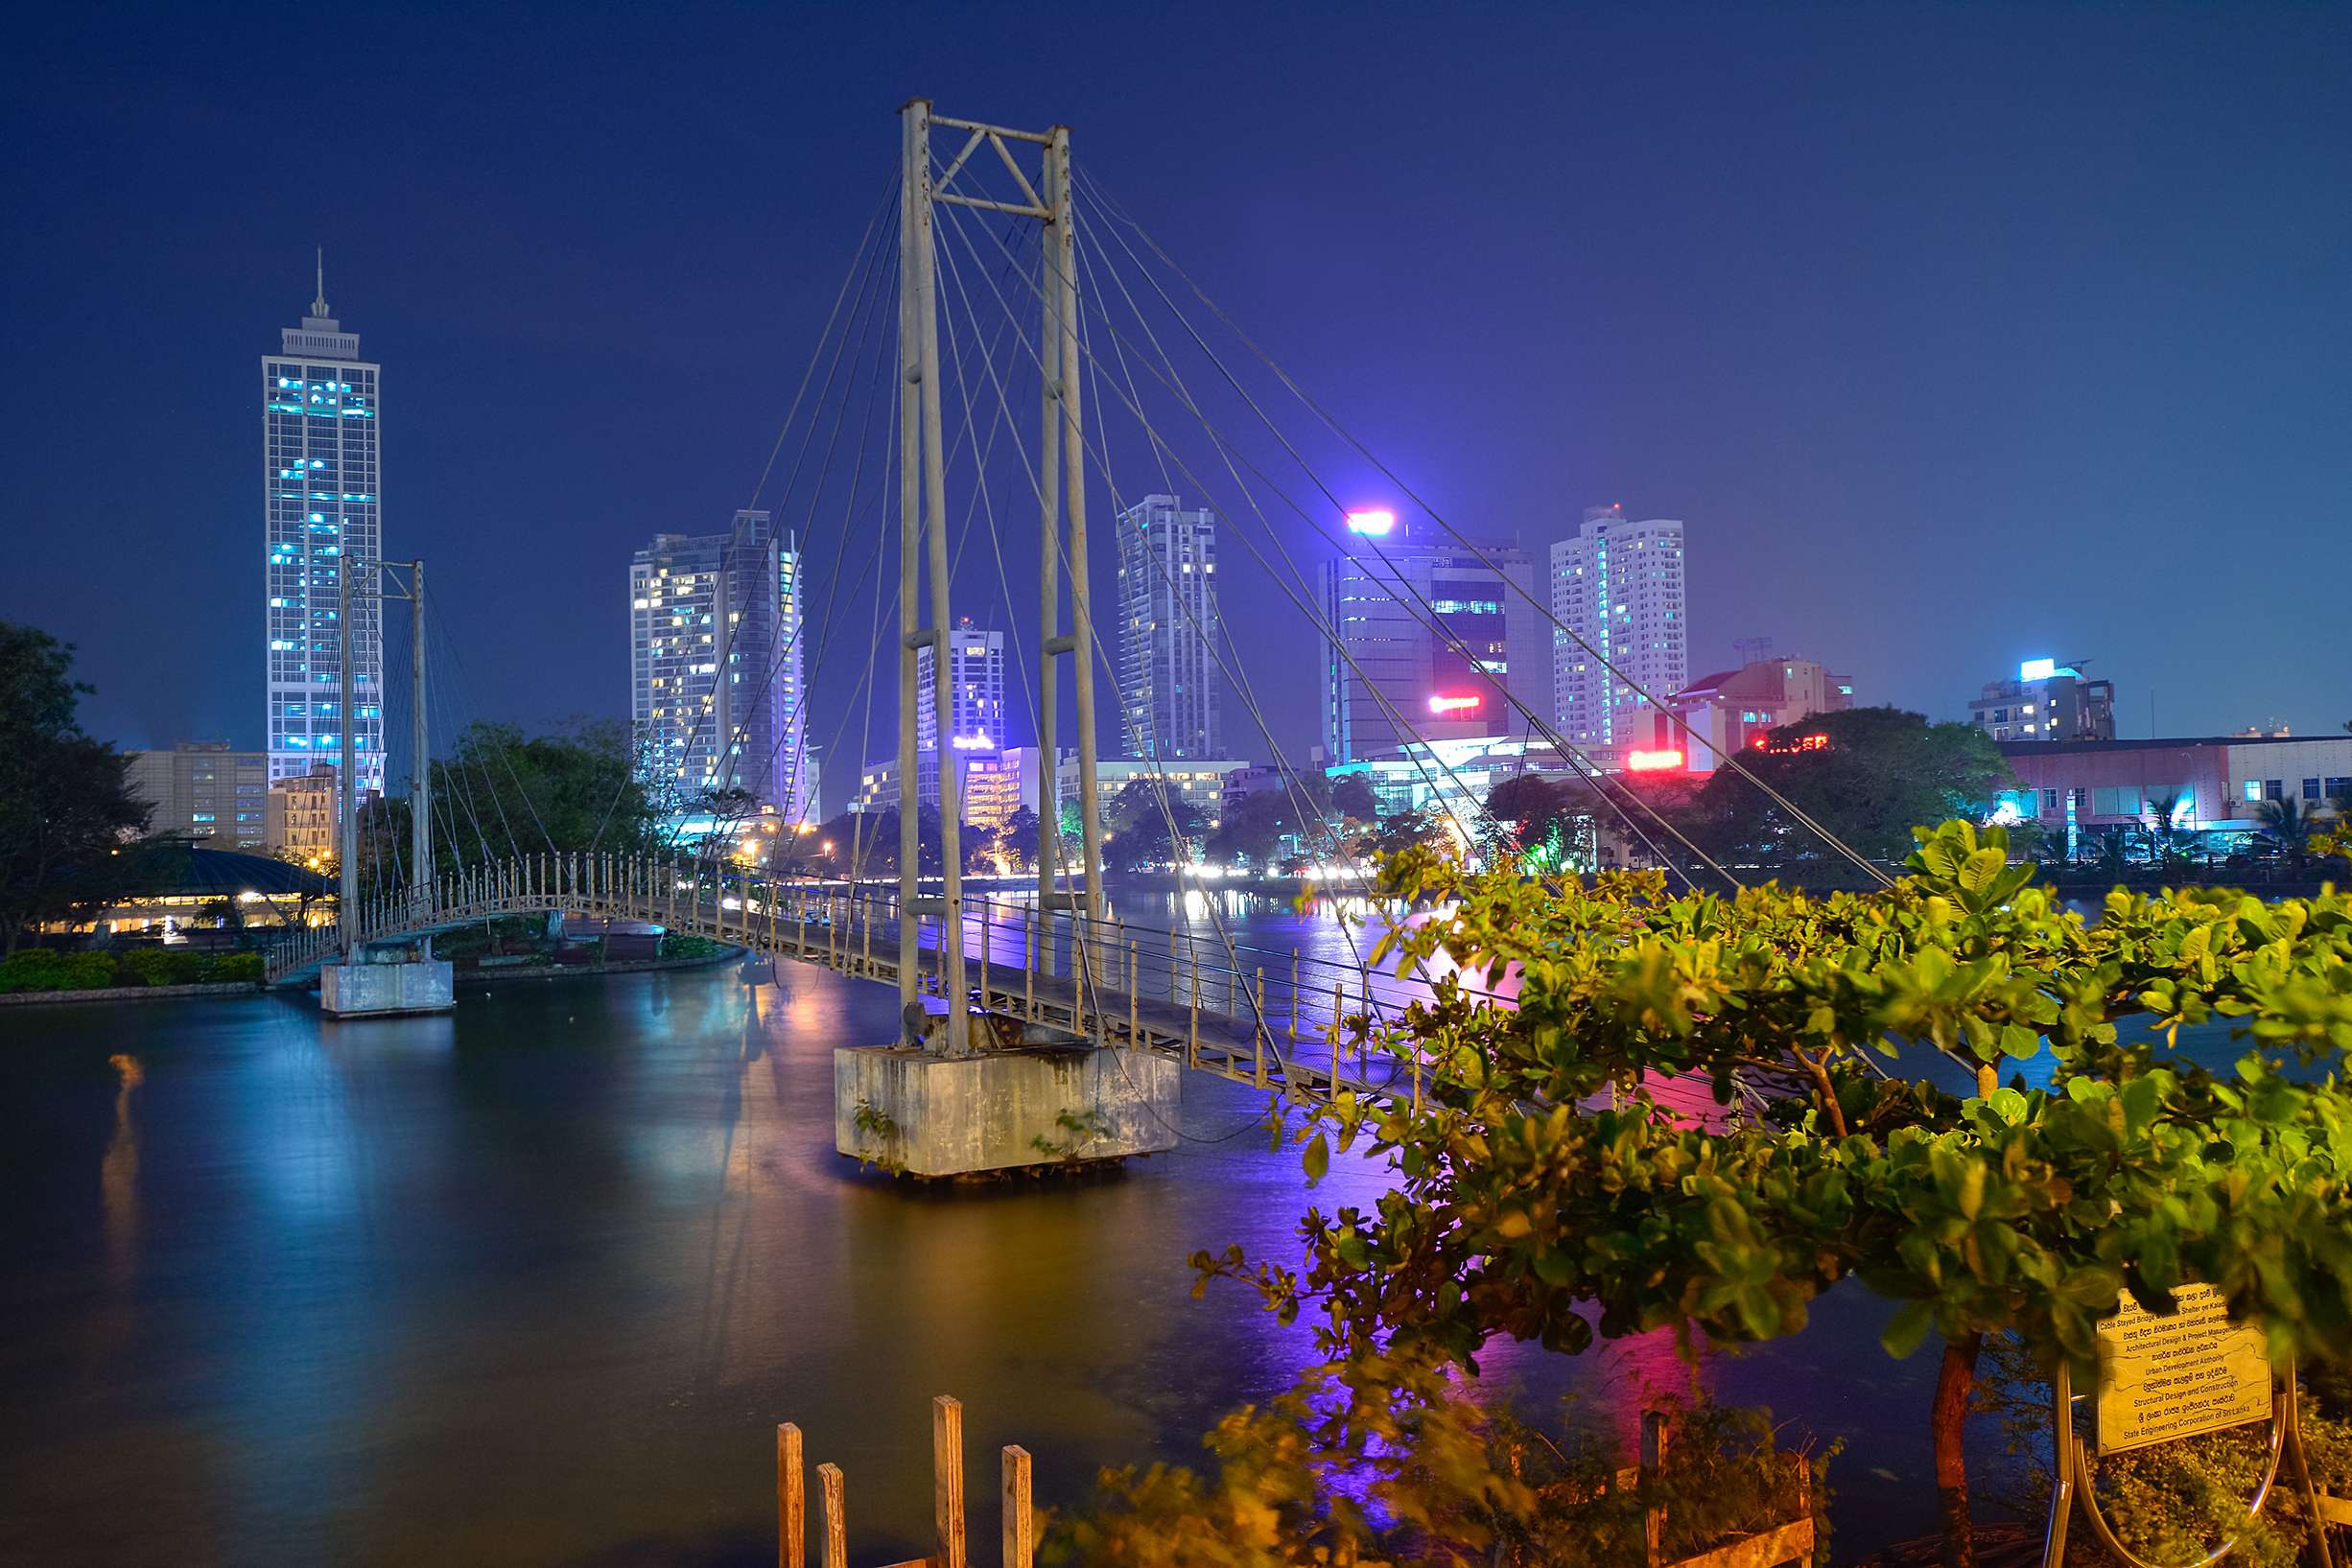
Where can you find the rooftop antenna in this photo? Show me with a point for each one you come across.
(1752, 650)
(319, 306)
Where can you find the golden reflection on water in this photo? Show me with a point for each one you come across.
(118, 1173)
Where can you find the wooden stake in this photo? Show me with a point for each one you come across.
(1020, 1533)
(1652, 1466)
(791, 1502)
(948, 1479)
(836, 1527)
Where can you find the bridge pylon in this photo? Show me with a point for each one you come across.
(923, 549)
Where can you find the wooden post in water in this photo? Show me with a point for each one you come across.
(836, 1527)
(1020, 1533)
(791, 1503)
(948, 1479)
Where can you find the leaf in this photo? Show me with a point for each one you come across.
(1318, 1157)
(1907, 1328)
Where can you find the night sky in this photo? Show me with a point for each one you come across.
(1958, 334)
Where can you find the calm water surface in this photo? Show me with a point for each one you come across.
(531, 1283)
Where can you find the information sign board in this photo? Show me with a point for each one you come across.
(2161, 1378)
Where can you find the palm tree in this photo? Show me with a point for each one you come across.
(2164, 839)
(2286, 822)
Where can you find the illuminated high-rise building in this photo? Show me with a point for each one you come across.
(321, 490)
(715, 666)
(976, 692)
(1432, 640)
(1618, 584)
(1167, 630)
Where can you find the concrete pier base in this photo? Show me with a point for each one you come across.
(909, 1110)
(348, 991)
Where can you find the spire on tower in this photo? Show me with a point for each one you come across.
(319, 306)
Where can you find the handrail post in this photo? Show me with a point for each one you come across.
(1335, 1046)
(1294, 998)
(1258, 1030)
(1028, 965)
(1134, 1034)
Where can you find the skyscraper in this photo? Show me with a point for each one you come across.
(1619, 585)
(1436, 641)
(976, 692)
(715, 666)
(321, 503)
(1167, 630)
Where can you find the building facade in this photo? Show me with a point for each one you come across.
(992, 785)
(1168, 631)
(304, 814)
(1429, 642)
(322, 505)
(203, 791)
(1618, 585)
(715, 666)
(1198, 782)
(2211, 786)
(2047, 701)
(1732, 709)
(976, 692)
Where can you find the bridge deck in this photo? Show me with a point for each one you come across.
(1280, 1023)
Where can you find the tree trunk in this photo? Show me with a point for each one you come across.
(1955, 1378)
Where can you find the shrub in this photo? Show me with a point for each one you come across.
(42, 969)
(687, 944)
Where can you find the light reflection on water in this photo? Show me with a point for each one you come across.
(531, 1283)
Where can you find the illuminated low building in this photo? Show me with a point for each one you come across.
(304, 815)
(2206, 786)
(1729, 710)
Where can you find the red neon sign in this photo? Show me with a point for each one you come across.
(1652, 761)
(1816, 742)
(1449, 703)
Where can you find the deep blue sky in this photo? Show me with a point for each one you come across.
(1957, 334)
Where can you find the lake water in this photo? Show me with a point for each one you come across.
(532, 1282)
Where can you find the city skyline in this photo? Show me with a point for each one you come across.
(1864, 411)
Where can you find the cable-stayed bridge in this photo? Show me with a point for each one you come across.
(1011, 317)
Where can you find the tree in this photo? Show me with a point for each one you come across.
(65, 799)
(1352, 797)
(1140, 814)
(1541, 1190)
(501, 793)
(1018, 839)
(2288, 826)
(1867, 775)
(1252, 828)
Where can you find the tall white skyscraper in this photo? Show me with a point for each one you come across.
(1167, 630)
(321, 492)
(976, 692)
(715, 666)
(1619, 584)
